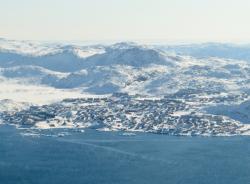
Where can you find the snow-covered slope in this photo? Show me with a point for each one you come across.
(30, 48)
(210, 87)
(239, 112)
(126, 67)
(133, 56)
(29, 71)
(74, 58)
(10, 105)
(22, 91)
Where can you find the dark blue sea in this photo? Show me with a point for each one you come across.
(93, 157)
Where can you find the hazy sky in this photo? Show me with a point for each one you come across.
(166, 20)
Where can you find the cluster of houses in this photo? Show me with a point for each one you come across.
(123, 112)
(207, 96)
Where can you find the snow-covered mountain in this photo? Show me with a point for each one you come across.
(207, 77)
(221, 50)
(74, 58)
(124, 67)
(103, 69)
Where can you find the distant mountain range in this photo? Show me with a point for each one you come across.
(221, 50)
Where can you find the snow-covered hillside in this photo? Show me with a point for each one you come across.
(38, 73)
(126, 67)
(239, 112)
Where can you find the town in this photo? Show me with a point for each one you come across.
(122, 112)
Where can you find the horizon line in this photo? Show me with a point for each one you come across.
(139, 41)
